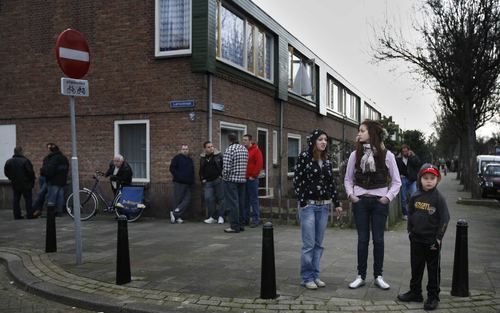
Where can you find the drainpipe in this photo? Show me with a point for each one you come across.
(209, 103)
(280, 156)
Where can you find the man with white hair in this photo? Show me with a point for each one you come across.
(119, 173)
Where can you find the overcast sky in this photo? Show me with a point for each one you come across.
(340, 32)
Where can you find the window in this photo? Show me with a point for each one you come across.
(243, 44)
(7, 145)
(132, 141)
(301, 75)
(333, 95)
(173, 27)
(226, 129)
(293, 152)
(352, 105)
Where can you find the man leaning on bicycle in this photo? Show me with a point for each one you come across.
(119, 173)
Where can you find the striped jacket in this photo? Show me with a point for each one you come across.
(234, 164)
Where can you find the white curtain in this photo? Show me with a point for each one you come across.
(302, 82)
(175, 22)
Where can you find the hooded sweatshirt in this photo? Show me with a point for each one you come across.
(311, 180)
(428, 214)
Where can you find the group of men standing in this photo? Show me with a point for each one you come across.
(53, 176)
(230, 182)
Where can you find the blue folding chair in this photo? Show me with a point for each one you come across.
(131, 202)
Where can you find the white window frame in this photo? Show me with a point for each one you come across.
(275, 147)
(8, 142)
(293, 136)
(148, 147)
(231, 126)
(244, 67)
(266, 160)
(159, 53)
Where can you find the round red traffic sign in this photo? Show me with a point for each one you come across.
(73, 53)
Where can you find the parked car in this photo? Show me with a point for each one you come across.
(483, 160)
(490, 181)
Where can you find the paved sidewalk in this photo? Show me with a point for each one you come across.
(195, 267)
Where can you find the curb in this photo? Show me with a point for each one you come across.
(492, 203)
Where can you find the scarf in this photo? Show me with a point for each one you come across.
(367, 163)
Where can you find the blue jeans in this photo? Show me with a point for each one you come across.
(42, 192)
(182, 197)
(252, 200)
(55, 197)
(370, 211)
(313, 220)
(407, 189)
(214, 195)
(234, 201)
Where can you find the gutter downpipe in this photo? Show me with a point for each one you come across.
(209, 104)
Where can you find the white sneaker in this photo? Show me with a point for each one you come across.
(405, 217)
(221, 220)
(179, 221)
(311, 285)
(172, 217)
(210, 220)
(358, 282)
(319, 283)
(379, 282)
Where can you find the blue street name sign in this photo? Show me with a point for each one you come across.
(182, 104)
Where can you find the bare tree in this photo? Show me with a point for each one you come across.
(460, 60)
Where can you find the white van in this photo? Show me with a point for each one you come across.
(483, 160)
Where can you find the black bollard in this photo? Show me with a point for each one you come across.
(460, 282)
(50, 231)
(268, 274)
(122, 253)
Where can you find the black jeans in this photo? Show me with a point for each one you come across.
(369, 212)
(27, 194)
(422, 254)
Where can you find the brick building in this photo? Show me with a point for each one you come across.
(155, 68)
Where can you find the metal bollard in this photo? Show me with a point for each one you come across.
(122, 253)
(50, 230)
(268, 274)
(460, 282)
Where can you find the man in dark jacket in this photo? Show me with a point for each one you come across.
(55, 169)
(408, 166)
(210, 177)
(19, 171)
(119, 173)
(182, 169)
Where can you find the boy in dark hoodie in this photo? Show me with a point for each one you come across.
(428, 218)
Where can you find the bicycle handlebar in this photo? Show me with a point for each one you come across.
(99, 173)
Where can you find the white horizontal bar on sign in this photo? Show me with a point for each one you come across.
(73, 54)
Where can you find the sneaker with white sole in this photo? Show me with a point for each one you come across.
(221, 220)
(358, 282)
(179, 221)
(319, 283)
(172, 217)
(210, 220)
(379, 282)
(310, 285)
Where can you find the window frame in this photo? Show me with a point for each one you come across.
(256, 30)
(118, 123)
(231, 126)
(312, 63)
(299, 138)
(180, 52)
(7, 130)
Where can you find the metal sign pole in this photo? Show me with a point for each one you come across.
(75, 183)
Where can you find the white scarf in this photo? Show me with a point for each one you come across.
(367, 163)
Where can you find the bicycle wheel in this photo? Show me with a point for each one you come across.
(88, 205)
(131, 214)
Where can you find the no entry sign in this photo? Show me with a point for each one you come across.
(73, 53)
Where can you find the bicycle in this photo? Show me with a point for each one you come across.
(92, 199)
